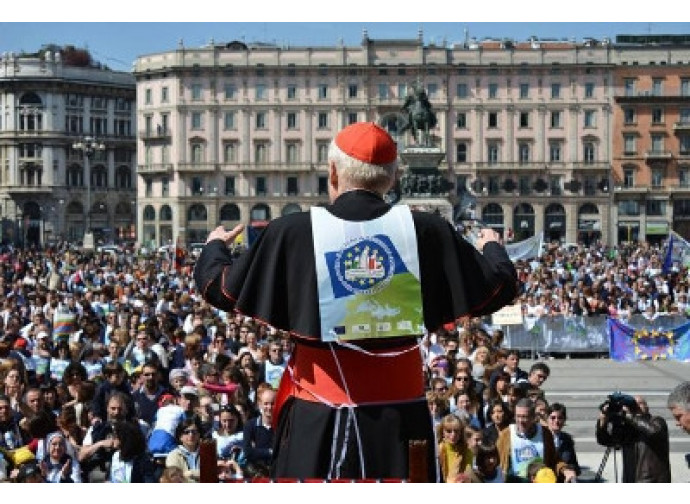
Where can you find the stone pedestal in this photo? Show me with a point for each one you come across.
(422, 186)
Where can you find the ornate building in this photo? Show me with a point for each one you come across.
(51, 100)
(236, 132)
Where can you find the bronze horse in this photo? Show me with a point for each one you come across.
(420, 116)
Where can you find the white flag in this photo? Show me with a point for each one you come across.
(526, 249)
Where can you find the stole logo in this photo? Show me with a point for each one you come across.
(364, 265)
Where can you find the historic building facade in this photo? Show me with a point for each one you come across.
(651, 145)
(49, 101)
(239, 133)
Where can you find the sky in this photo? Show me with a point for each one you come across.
(116, 37)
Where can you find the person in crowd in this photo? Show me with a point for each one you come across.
(258, 435)
(186, 455)
(115, 380)
(362, 168)
(642, 437)
(229, 432)
(679, 405)
(57, 464)
(538, 374)
(565, 444)
(487, 468)
(271, 370)
(146, 397)
(97, 447)
(11, 435)
(130, 462)
(498, 419)
(526, 440)
(454, 455)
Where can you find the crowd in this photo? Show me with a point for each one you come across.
(113, 368)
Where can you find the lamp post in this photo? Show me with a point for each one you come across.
(88, 146)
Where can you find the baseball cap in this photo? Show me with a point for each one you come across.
(189, 390)
(41, 335)
(367, 142)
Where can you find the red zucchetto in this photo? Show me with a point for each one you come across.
(367, 142)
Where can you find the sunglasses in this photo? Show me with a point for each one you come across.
(190, 431)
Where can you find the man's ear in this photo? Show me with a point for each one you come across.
(333, 176)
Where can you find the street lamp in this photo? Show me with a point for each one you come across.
(88, 146)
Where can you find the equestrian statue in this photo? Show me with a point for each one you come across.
(420, 116)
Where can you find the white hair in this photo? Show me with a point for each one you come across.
(356, 174)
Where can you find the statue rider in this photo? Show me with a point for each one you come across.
(420, 116)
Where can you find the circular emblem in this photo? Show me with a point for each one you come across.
(364, 265)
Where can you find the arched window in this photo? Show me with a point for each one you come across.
(291, 208)
(149, 213)
(589, 208)
(197, 213)
(492, 215)
(554, 222)
(166, 213)
(99, 177)
(123, 177)
(523, 221)
(75, 176)
(230, 212)
(260, 212)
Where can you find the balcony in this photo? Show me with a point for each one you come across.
(631, 190)
(658, 155)
(591, 166)
(196, 167)
(158, 134)
(681, 190)
(681, 126)
(278, 167)
(154, 168)
(17, 189)
(512, 168)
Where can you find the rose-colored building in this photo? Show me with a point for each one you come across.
(651, 144)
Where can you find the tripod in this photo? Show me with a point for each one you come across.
(597, 478)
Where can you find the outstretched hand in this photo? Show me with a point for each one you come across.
(220, 233)
(487, 235)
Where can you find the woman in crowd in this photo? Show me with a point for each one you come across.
(186, 455)
(57, 464)
(463, 383)
(498, 419)
(229, 433)
(454, 455)
(130, 462)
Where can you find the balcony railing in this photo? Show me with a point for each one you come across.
(155, 134)
(196, 167)
(682, 125)
(658, 154)
(155, 168)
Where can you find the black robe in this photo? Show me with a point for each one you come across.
(275, 282)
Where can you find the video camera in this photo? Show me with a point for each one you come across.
(615, 415)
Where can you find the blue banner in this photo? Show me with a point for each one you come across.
(630, 344)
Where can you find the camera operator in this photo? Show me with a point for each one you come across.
(626, 424)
